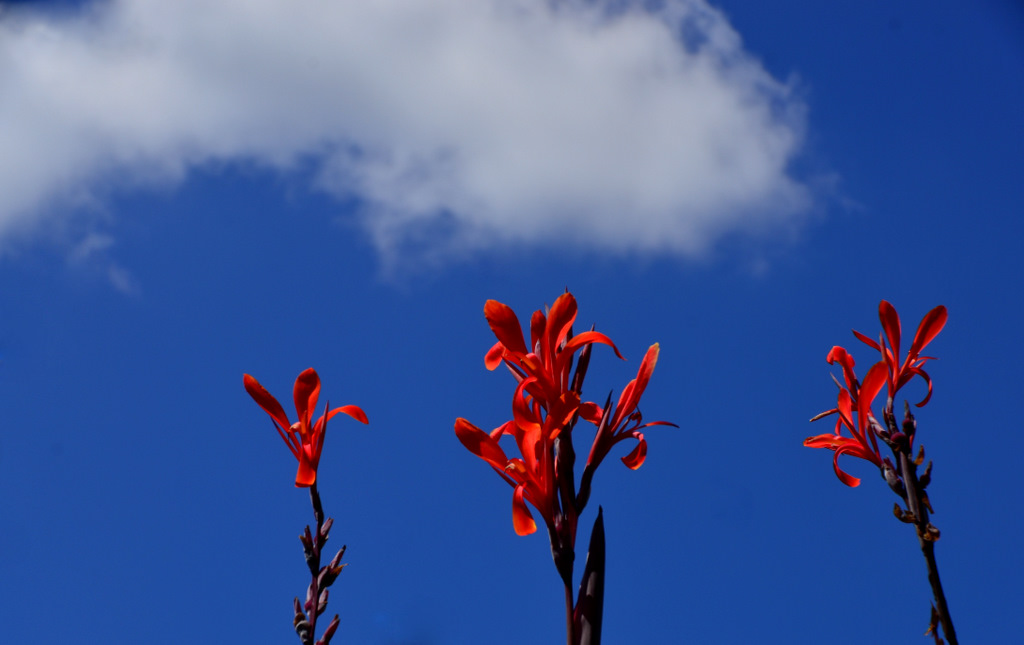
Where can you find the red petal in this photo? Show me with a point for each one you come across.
(631, 394)
(522, 520)
(636, 458)
(538, 324)
(841, 356)
(505, 325)
(560, 319)
(822, 441)
(266, 401)
(494, 355)
(930, 326)
(353, 411)
(480, 443)
(591, 337)
(307, 390)
(306, 475)
(864, 339)
(843, 476)
(591, 412)
(874, 380)
(890, 324)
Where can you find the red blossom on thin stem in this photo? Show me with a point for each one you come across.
(855, 398)
(305, 438)
(854, 414)
(546, 406)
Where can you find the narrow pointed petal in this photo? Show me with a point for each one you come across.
(505, 325)
(890, 324)
(480, 443)
(266, 401)
(560, 319)
(873, 344)
(929, 328)
(522, 520)
(631, 394)
(353, 411)
(307, 390)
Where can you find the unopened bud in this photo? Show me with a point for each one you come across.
(322, 604)
(329, 632)
(325, 529)
(892, 479)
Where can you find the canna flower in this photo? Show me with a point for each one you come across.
(899, 374)
(545, 407)
(622, 422)
(856, 398)
(305, 438)
(549, 362)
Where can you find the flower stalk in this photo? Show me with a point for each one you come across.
(855, 416)
(546, 408)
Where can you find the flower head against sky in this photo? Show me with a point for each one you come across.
(305, 437)
(856, 397)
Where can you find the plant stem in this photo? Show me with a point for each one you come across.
(318, 513)
(926, 535)
(569, 621)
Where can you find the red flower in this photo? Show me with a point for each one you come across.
(543, 406)
(899, 374)
(862, 442)
(855, 399)
(304, 438)
(546, 405)
(622, 422)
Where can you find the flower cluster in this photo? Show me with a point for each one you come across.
(856, 397)
(545, 408)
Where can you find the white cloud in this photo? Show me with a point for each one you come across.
(457, 124)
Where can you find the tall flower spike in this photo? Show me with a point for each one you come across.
(305, 438)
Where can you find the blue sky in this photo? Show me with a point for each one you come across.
(191, 191)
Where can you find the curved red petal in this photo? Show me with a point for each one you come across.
(522, 410)
(843, 476)
(930, 326)
(492, 358)
(353, 411)
(591, 412)
(307, 390)
(636, 458)
(560, 319)
(845, 360)
(583, 338)
(890, 325)
(266, 401)
(505, 325)
(480, 443)
(928, 380)
(522, 520)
